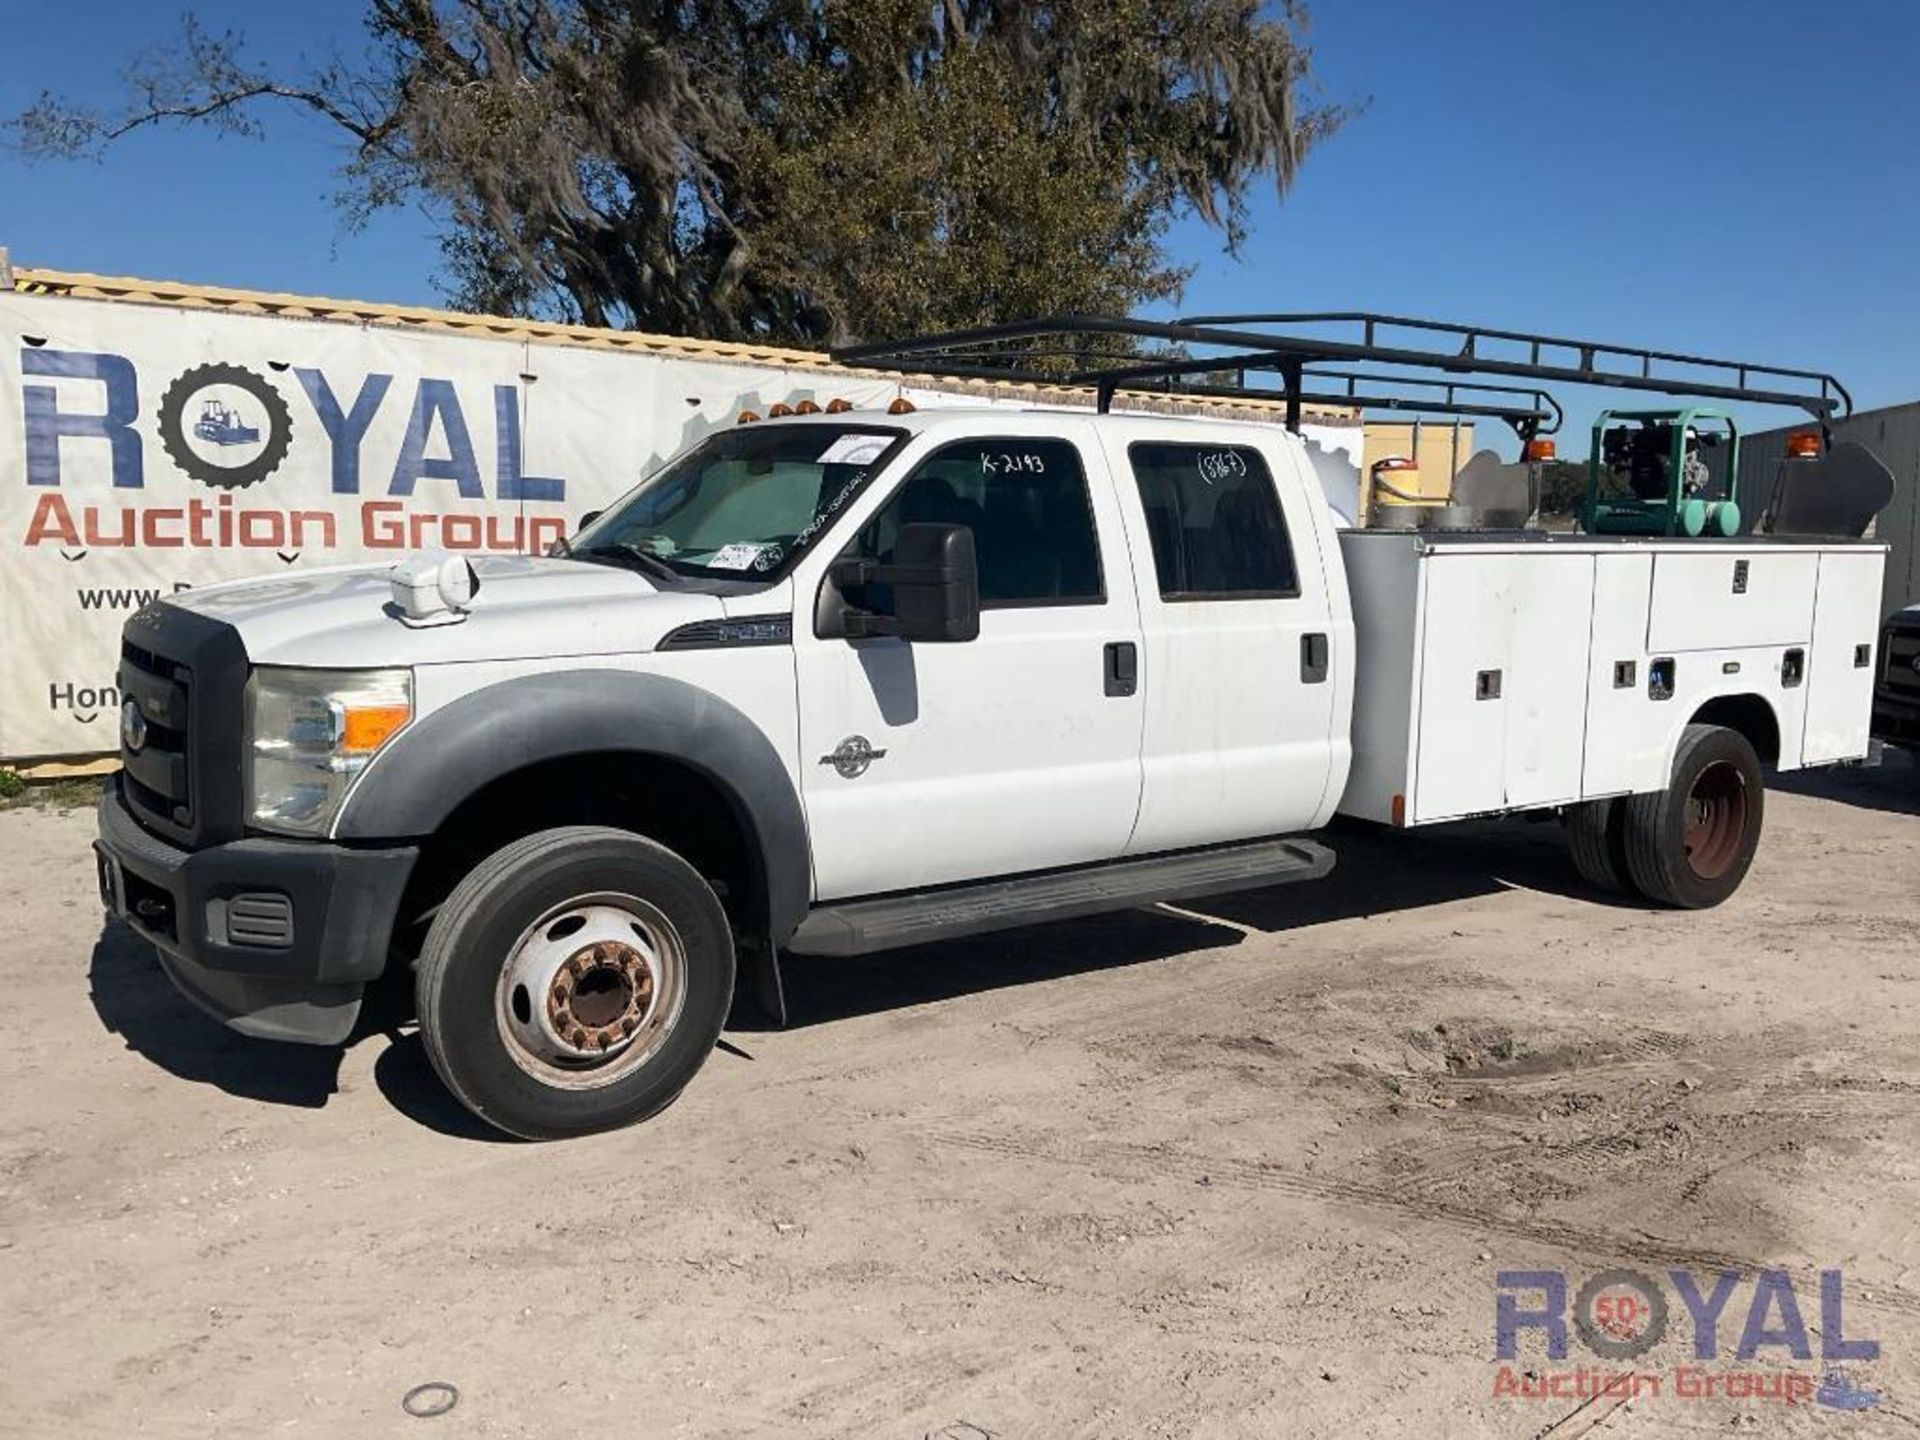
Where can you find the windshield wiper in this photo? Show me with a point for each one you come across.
(626, 555)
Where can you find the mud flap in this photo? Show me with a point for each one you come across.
(759, 999)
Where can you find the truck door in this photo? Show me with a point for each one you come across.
(1240, 655)
(926, 764)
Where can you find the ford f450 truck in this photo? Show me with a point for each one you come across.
(1896, 706)
(838, 682)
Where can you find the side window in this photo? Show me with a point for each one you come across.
(1024, 498)
(1214, 520)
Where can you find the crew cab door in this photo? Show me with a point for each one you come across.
(924, 764)
(1242, 660)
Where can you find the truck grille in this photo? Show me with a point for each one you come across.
(159, 774)
(182, 687)
(1898, 677)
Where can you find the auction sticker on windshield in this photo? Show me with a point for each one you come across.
(854, 450)
(741, 555)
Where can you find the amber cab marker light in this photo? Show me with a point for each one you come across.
(1803, 445)
(838, 406)
(806, 407)
(1539, 450)
(747, 417)
(779, 411)
(901, 406)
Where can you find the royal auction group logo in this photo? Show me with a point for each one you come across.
(382, 462)
(224, 425)
(1621, 1317)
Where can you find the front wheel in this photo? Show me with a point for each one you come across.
(1690, 845)
(574, 981)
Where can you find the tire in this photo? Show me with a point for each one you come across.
(1597, 837)
(1691, 844)
(574, 981)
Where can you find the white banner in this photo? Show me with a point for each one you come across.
(145, 449)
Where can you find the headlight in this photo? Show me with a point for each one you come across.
(309, 732)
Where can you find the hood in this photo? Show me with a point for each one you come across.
(341, 618)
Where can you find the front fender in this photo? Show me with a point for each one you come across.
(414, 784)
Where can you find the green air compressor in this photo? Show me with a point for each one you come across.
(1649, 473)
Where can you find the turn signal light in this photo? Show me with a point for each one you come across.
(838, 406)
(365, 728)
(747, 417)
(1803, 445)
(901, 406)
(1539, 450)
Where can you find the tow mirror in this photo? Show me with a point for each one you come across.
(934, 583)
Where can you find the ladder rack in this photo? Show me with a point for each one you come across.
(1213, 355)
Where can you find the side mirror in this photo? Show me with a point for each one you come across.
(935, 582)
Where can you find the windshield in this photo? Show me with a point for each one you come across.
(743, 503)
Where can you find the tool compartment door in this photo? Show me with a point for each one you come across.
(1627, 734)
(1717, 597)
(1503, 681)
(1846, 617)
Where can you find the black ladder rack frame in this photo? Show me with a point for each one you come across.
(1238, 344)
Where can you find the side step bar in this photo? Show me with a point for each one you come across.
(859, 927)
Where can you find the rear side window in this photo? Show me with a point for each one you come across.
(1215, 522)
(1024, 498)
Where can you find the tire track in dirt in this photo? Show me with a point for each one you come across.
(1132, 1160)
(1584, 1416)
(1610, 1077)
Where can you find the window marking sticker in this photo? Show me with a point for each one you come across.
(831, 509)
(854, 450)
(740, 555)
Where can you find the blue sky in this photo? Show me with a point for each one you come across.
(1733, 177)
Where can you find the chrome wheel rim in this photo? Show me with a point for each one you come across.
(591, 990)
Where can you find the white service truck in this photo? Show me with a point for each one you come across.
(834, 683)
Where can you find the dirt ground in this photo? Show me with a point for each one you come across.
(1246, 1169)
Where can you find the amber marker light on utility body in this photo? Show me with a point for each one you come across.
(1803, 445)
(1542, 449)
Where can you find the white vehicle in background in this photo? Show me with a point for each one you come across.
(834, 682)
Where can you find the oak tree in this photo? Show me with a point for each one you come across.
(807, 171)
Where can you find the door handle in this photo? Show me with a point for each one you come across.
(1313, 658)
(1122, 668)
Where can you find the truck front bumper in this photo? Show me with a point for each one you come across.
(275, 938)
(1896, 720)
